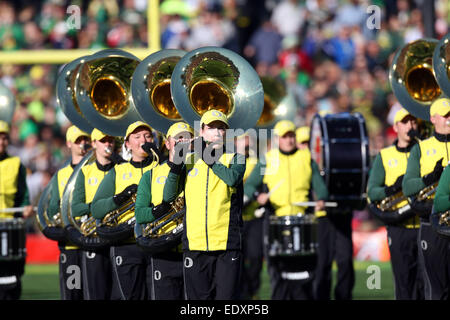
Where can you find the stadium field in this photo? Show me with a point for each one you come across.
(40, 282)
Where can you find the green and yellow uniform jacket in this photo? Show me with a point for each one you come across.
(117, 179)
(86, 185)
(13, 184)
(441, 199)
(290, 177)
(214, 195)
(422, 160)
(388, 165)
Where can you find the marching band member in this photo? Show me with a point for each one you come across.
(291, 175)
(13, 193)
(166, 267)
(302, 136)
(116, 188)
(212, 182)
(70, 278)
(385, 180)
(96, 266)
(252, 237)
(425, 165)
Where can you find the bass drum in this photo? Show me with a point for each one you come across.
(340, 146)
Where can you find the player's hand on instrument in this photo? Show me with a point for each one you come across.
(320, 205)
(160, 210)
(435, 174)
(125, 194)
(396, 187)
(263, 198)
(28, 211)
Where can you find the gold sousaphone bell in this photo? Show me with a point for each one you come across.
(213, 78)
(150, 88)
(94, 91)
(419, 75)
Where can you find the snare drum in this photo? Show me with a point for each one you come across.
(292, 235)
(12, 239)
(340, 147)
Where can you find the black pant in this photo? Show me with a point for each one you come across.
(97, 274)
(435, 258)
(253, 258)
(212, 275)
(291, 278)
(10, 283)
(404, 260)
(167, 280)
(70, 274)
(131, 273)
(334, 234)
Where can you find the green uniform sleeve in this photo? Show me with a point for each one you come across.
(144, 207)
(412, 182)
(22, 197)
(375, 185)
(174, 185)
(232, 175)
(441, 199)
(254, 181)
(318, 185)
(53, 206)
(79, 205)
(103, 200)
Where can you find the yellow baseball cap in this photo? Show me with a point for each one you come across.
(98, 135)
(440, 106)
(73, 133)
(213, 115)
(179, 127)
(4, 127)
(136, 125)
(401, 114)
(284, 126)
(302, 134)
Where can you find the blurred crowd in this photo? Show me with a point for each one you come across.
(326, 51)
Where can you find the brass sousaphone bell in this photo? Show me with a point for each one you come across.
(213, 78)
(413, 77)
(150, 88)
(103, 90)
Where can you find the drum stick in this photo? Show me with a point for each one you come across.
(14, 210)
(313, 203)
(275, 188)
